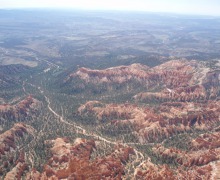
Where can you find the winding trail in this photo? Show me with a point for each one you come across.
(83, 131)
(139, 156)
(139, 160)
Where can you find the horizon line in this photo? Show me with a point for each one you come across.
(109, 10)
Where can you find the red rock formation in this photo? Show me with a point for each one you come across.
(7, 139)
(186, 96)
(184, 80)
(207, 141)
(117, 74)
(8, 148)
(190, 158)
(148, 170)
(19, 110)
(16, 172)
(172, 74)
(72, 161)
(183, 94)
(154, 123)
(202, 161)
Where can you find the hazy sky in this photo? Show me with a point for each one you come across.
(204, 7)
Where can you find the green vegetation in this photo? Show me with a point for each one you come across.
(60, 43)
